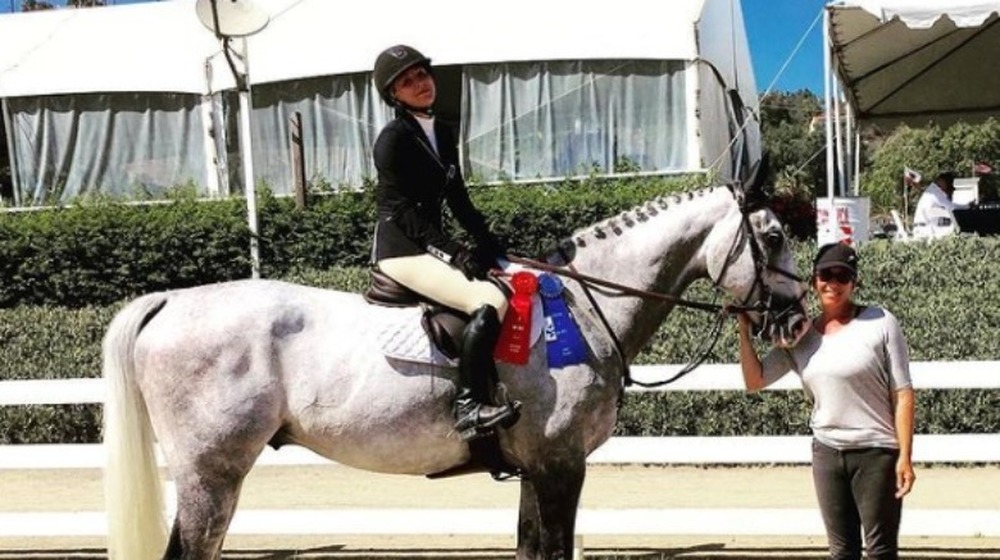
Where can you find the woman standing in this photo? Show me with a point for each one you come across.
(854, 367)
(416, 157)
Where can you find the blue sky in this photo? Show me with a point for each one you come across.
(774, 28)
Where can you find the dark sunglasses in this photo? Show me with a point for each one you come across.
(839, 275)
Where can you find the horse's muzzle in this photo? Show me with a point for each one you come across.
(788, 333)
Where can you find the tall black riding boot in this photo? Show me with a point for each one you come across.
(475, 415)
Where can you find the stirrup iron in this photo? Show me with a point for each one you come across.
(470, 426)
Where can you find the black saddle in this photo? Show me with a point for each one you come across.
(443, 325)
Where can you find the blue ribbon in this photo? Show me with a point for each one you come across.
(564, 343)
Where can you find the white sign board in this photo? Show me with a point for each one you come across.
(966, 190)
(843, 220)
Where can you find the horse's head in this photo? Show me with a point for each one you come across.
(750, 258)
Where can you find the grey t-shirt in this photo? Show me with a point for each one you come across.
(850, 376)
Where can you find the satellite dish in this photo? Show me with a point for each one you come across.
(231, 18)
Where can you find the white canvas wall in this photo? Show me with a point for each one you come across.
(314, 56)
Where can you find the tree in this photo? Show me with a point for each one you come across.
(929, 150)
(35, 5)
(793, 136)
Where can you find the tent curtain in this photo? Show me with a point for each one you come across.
(121, 144)
(519, 121)
(565, 118)
(341, 117)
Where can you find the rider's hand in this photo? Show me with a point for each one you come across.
(489, 249)
(466, 261)
(486, 257)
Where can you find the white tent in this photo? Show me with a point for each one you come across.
(138, 96)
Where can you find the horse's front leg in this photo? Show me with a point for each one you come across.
(547, 518)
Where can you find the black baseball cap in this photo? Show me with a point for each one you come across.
(836, 254)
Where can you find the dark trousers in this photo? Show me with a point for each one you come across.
(856, 490)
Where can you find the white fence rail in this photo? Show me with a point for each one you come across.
(708, 377)
(951, 448)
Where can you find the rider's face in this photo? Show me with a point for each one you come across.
(415, 87)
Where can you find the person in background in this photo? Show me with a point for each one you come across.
(854, 367)
(933, 217)
(416, 157)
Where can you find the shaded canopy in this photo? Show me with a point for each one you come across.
(916, 61)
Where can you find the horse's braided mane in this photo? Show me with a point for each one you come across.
(628, 218)
(639, 213)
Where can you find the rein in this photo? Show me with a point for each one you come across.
(585, 279)
(763, 304)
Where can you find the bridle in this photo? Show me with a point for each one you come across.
(764, 304)
(762, 265)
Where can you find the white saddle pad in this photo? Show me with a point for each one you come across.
(402, 336)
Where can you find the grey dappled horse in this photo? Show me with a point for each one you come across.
(218, 372)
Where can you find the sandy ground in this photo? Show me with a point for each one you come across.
(334, 486)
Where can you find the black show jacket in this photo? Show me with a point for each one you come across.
(413, 184)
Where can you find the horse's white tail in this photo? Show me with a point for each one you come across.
(133, 492)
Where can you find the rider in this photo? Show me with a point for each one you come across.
(416, 157)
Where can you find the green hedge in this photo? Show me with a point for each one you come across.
(101, 253)
(926, 286)
(945, 295)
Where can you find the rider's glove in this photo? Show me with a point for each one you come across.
(460, 257)
(466, 261)
(489, 251)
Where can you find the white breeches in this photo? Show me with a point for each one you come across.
(439, 281)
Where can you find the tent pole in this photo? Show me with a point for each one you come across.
(828, 109)
(246, 150)
(839, 135)
(209, 147)
(15, 181)
(857, 161)
(249, 187)
(850, 185)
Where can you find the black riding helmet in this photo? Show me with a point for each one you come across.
(391, 63)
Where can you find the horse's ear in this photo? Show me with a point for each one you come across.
(754, 185)
(759, 173)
